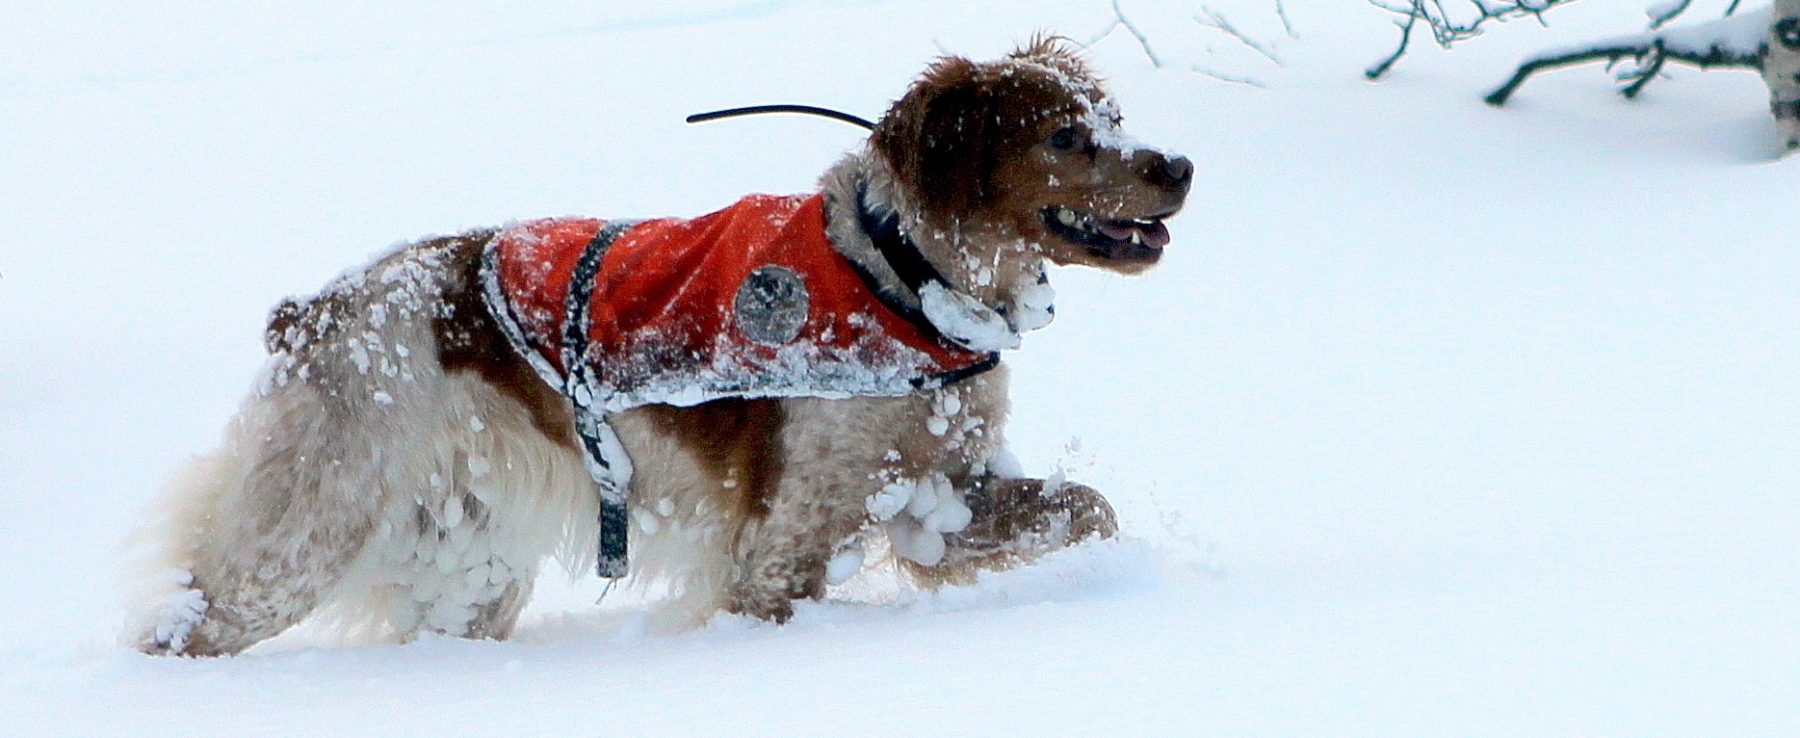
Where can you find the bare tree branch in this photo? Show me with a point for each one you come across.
(1286, 24)
(1232, 78)
(1217, 21)
(1643, 73)
(1662, 13)
(1449, 26)
(1120, 21)
(1382, 66)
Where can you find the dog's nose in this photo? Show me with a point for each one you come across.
(1179, 170)
(1170, 172)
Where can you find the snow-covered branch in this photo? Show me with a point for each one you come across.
(1767, 40)
(1726, 42)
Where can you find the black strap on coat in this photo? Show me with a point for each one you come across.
(578, 372)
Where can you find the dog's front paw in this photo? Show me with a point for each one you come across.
(769, 591)
(762, 603)
(1022, 516)
(1090, 515)
(1014, 521)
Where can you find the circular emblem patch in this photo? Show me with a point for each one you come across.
(771, 305)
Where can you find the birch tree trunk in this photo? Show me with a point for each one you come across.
(1781, 70)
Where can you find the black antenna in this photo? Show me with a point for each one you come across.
(759, 109)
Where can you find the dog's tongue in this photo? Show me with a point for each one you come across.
(1155, 235)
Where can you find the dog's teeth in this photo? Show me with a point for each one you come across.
(1066, 217)
(1137, 237)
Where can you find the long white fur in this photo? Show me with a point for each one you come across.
(437, 505)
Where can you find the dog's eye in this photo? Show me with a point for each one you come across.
(1067, 138)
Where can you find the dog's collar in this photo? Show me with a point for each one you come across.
(936, 306)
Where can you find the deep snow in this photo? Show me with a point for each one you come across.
(1438, 419)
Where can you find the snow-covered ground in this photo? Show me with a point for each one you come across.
(1438, 420)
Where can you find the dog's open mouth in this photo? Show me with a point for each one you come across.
(1130, 239)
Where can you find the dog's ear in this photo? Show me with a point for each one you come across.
(939, 138)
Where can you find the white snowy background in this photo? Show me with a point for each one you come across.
(1438, 420)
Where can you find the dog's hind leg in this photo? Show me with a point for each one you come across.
(493, 498)
(495, 619)
(262, 528)
(451, 567)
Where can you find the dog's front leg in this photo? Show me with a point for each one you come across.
(828, 451)
(1016, 521)
(785, 554)
(1011, 521)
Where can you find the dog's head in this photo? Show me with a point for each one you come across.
(1031, 145)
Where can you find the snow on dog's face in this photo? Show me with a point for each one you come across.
(1031, 144)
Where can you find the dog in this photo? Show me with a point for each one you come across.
(736, 405)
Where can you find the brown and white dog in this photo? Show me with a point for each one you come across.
(412, 455)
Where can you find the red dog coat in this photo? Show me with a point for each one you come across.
(749, 301)
(752, 301)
